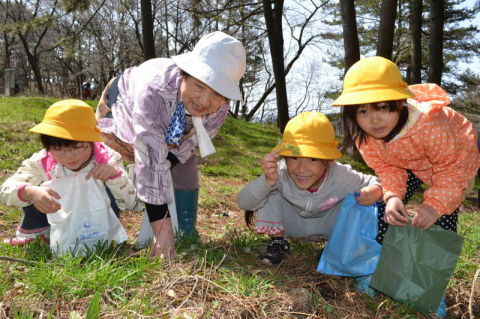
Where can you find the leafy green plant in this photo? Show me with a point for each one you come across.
(285, 146)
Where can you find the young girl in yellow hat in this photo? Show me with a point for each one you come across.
(301, 190)
(409, 136)
(72, 144)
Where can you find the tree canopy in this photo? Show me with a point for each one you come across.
(56, 45)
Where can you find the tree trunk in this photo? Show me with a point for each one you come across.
(435, 48)
(8, 53)
(33, 60)
(350, 34)
(7, 41)
(416, 33)
(147, 30)
(387, 28)
(273, 21)
(36, 72)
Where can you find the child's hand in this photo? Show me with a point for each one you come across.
(270, 168)
(102, 172)
(425, 217)
(395, 213)
(369, 195)
(42, 198)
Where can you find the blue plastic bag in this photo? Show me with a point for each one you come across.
(352, 249)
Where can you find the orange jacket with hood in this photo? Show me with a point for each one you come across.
(437, 144)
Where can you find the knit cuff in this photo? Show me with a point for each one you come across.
(20, 191)
(387, 195)
(269, 230)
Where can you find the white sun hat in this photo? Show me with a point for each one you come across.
(219, 61)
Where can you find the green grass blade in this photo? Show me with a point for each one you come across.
(93, 310)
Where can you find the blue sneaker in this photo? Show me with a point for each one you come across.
(362, 285)
(442, 309)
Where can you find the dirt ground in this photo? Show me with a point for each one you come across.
(216, 222)
(208, 222)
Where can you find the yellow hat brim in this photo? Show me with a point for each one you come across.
(328, 152)
(372, 96)
(74, 134)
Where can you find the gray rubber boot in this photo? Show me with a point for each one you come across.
(187, 204)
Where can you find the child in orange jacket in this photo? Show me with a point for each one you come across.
(409, 136)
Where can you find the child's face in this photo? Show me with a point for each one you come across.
(199, 98)
(376, 120)
(307, 173)
(73, 158)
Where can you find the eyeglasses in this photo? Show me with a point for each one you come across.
(73, 150)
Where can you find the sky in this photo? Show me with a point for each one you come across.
(475, 22)
(328, 78)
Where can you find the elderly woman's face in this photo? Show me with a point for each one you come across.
(199, 98)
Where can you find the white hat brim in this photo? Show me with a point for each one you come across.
(216, 80)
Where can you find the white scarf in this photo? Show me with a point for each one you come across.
(205, 144)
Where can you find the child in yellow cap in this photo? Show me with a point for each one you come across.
(409, 136)
(301, 190)
(72, 144)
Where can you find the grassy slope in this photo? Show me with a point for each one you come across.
(218, 278)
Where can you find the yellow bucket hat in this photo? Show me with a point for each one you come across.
(309, 134)
(371, 80)
(70, 120)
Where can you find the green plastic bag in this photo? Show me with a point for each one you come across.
(415, 265)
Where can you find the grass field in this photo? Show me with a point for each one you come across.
(216, 278)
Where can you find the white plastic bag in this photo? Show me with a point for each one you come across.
(86, 217)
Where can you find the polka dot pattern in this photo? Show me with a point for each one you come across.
(176, 126)
(439, 146)
(448, 222)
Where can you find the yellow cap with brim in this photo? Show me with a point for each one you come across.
(70, 120)
(371, 80)
(309, 134)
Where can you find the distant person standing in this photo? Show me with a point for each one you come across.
(156, 115)
(86, 90)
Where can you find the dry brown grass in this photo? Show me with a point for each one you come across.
(195, 288)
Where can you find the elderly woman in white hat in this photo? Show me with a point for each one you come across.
(156, 115)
